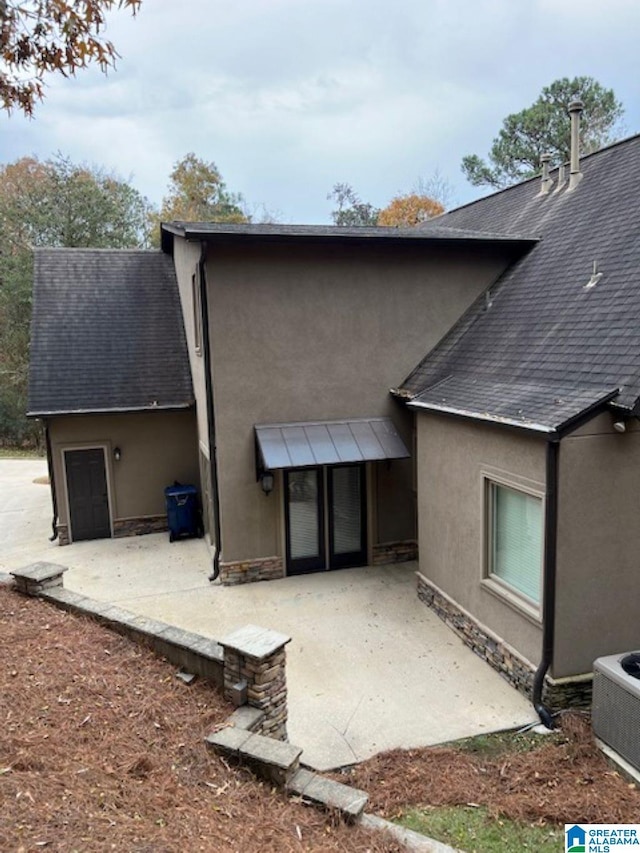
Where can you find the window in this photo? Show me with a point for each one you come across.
(197, 313)
(515, 537)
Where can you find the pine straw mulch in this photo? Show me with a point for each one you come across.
(562, 779)
(101, 748)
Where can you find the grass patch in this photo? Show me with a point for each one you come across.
(509, 742)
(473, 830)
(500, 792)
(20, 453)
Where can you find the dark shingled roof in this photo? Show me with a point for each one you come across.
(106, 333)
(540, 325)
(442, 233)
(537, 407)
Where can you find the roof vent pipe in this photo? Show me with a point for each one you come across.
(547, 183)
(562, 181)
(575, 176)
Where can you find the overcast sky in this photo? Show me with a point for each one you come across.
(288, 97)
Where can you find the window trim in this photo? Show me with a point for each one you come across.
(196, 305)
(492, 582)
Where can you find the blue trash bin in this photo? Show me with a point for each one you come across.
(182, 511)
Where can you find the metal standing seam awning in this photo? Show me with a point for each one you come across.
(299, 445)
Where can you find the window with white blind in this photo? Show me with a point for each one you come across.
(515, 539)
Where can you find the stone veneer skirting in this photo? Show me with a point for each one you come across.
(572, 692)
(139, 526)
(272, 568)
(394, 552)
(124, 527)
(247, 571)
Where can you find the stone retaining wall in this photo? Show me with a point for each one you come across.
(394, 552)
(558, 693)
(249, 664)
(247, 571)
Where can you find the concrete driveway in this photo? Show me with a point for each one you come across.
(369, 667)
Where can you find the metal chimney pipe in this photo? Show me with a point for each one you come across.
(575, 175)
(561, 179)
(547, 182)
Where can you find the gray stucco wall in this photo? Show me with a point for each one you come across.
(157, 448)
(598, 589)
(453, 456)
(306, 332)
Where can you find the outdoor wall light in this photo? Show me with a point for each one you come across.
(117, 454)
(266, 481)
(620, 426)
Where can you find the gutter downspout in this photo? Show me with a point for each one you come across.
(52, 481)
(549, 582)
(211, 423)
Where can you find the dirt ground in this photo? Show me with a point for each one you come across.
(101, 748)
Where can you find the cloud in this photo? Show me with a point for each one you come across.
(288, 97)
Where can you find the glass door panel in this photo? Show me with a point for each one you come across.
(325, 537)
(304, 520)
(347, 514)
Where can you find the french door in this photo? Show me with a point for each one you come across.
(325, 518)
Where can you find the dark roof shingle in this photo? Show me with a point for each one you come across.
(535, 406)
(539, 323)
(107, 333)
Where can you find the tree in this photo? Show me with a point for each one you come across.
(351, 211)
(437, 187)
(51, 203)
(59, 203)
(410, 209)
(51, 36)
(197, 193)
(543, 127)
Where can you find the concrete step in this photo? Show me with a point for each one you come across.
(350, 802)
(274, 760)
(410, 840)
(247, 717)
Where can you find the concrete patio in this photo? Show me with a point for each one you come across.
(369, 667)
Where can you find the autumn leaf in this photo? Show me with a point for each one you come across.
(51, 36)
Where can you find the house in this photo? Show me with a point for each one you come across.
(255, 361)
(243, 349)
(528, 448)
(308, 328)
(110, 380)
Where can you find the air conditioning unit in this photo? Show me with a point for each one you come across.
(616, 704)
